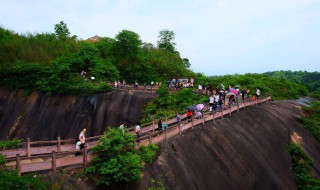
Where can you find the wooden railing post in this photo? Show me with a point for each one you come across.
(28, 148)
(166, 133)
(18, 164)
(85, 156)
(179, 125)
(58, 144)
(213, 119)
(54, 163)
(191, 121)
(237, 105)
(222, 111)
(151, 90)
(203, 119)
(250, 101)
(152, 124)
(150, 139)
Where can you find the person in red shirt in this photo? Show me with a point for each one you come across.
(189, 115)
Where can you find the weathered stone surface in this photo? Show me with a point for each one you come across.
(45, 118)
(243, 151)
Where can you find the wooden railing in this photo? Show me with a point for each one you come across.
(61, 153)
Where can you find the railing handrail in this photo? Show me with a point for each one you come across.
(155, 137)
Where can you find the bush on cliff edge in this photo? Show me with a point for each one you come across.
(117, 161)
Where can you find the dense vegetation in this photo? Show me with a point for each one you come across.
(278, 87)
(311, 119)
(52, 63)
(301, 167)
(310, 79)
(168, 104)
(117, 160)
(9, 179)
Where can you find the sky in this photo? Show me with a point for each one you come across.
(218, 36)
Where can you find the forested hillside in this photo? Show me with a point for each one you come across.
(279, 88)
(52, 62)
(310, 79)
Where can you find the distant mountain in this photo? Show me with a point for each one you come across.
(310, 79)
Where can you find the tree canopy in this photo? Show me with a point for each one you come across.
(52, 63)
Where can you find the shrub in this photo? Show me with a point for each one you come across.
(311, 120)
(147, 153)
(117, 161)
(10, 144)
(301, 167)
(9, 179)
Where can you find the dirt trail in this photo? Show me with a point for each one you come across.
(243, 151)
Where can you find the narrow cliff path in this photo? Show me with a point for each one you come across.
(243, 151)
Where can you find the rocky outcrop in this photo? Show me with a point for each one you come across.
(243, 151)
(41, 117)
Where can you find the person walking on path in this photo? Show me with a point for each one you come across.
(138, 130)
(82, 138)
(211, 99)
(258, 93)
(248, 93)
(179, 119)
(160, 125)
(189, 115)
(243, 92)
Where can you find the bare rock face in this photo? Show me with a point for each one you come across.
(242, 151)
(41, 117)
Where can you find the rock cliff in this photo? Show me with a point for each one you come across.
(41, 117)
(243, 151)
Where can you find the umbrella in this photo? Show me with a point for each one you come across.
(192, 108)
(230, 94)
(198, 114)
(233, 90)
(200, 107)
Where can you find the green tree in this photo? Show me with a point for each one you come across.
(61, 30)
(166, 40)
(127, 45)
(186, 63)
(88, 53)
(116, 159)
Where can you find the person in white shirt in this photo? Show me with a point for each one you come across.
(82, 138)
(211, 99)
(258, 93)
(138, 131)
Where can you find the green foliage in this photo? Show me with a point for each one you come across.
(166, 40)
(127, 46)
(147, 153)
(10, 144)
(52, 63)
(117, 161)
(310, 79)
(61, 30)
(301, 167)
(278, 87)
(3, 160)
(9, 179)
(32, 48)
(311, 119)
(88, 54)
(168, 104)
(156, 185)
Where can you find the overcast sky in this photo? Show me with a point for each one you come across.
(217, 36)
